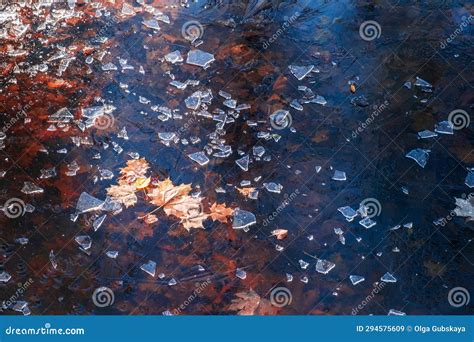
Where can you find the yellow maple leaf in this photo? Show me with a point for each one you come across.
(220, 212)
(165, 191)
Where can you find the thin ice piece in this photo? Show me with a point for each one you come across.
(324, 266)
(243, 219)
(419, 155)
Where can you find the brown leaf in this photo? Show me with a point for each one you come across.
(246, 191)
(123, 193)
(188, 209)
(165, 191)
(280, 233)
(136, 168)
(246, 303)
(220, 212)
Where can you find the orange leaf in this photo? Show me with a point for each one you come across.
(280, 233)
(220, 212)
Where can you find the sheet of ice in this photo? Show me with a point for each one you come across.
(273, 187)
(388, 278)
(339, 175)
(445, 127)
(152, 23)
(31, 188)
(239, 273)
(465, 207)
(5, 277)
(393, 312)
(149, 267)
(367, 223)
(98, 222)
(303, 264)
(422, 84)
(243, 219)
(355, 279)
(61, 116)
(200, 58)
(53, 260)
(348, 213)
(470, 179)
(319, 100)
(300, 72)
(199, 157)
(112, 254)
(87, 203)
(419, 155)
(243, 162)
(324, 266)
(84, 241)
(426, 134)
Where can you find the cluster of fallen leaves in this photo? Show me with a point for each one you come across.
(175, 200)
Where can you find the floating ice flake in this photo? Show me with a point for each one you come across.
(200, 58)
(84, 241)
(152, 23)
(348, 213)
(324, 266)
(303, 264)
(48, 173)
(258, 151)
(243, 162)
(426, 134)
(407, 85)
(22, 240)
(112, 254)
(339, 175)
(72, 169)
(444, 127)
(172, 282)
(199, 157)
(300, 72)
(61, 116)
(397, 227)
(98, 222)
(388, 278)
(470, 179)
(174, 57)
(5, 277)
(465, 207)
(289, 277)
(355, 279)
(296, 105)
(95, 112)
(52, 259)
(239, 273)
(338, 231)
(167, 137)
(230, 103)
(367, 223)
(393, 312)
(109, 67)
(30, 189)
(408, 225)
(319, 100)
(88, 203)
(225, 95)
(243, 219)
(419, 155)
(304, 279)
(424, 85)
(273, 187)
(149, 267)
(194, 101)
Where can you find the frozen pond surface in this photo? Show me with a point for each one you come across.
(216, 157)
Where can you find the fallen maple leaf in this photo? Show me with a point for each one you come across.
(220, 212)
(280, 233)
(123, 193)
(247, 192)
(141, 183)
(246, 303)
(165, 191)
(135, 169)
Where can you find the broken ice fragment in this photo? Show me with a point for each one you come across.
(296, 105)
(149, 267)
(319, 100)
(388, 278)
(355, 279)
(303, 264)
(199, 157)
(98, 222)
(470, 179)
(61, 116)
(324, 266)
(273, 187)
(300, 72)
(465, 207)
(339, 175)
(348, 213)
(200, 58)
(422, 84)
(172, 282)
(426, 134)
(243, 163)
(394, 312)
(174, 57)
(239, 273)
(152, 23)
(367, 223)
(52, 259)
(109, 67)
(88, 203)
(230, 103)
(30, 188)
(5, 277)
(419, 155)
(84, 241)
(243, 219)
(444, 127)
(112, 254)
(258, 151)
